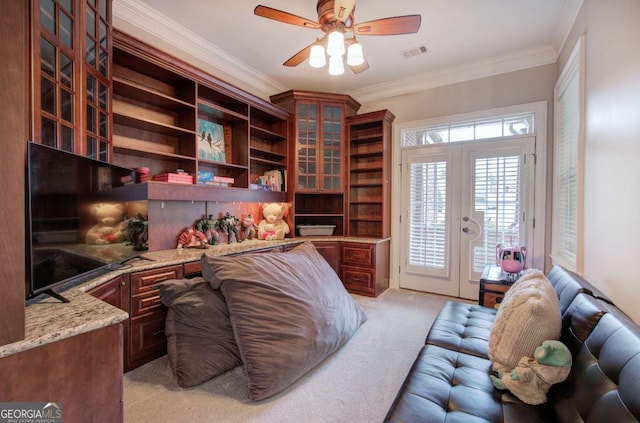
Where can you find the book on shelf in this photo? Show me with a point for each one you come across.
(205, 176)
(224, 179)
(209, 178)
(215, 183)
(274, 180)
(180, 178)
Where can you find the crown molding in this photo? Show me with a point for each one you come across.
(146, 19)
(496, 65)
(566, 20)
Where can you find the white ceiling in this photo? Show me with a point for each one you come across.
(465, 39)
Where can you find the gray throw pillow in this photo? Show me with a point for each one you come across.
(200, 340)
(289, 312)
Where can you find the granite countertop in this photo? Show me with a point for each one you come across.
(48, 320)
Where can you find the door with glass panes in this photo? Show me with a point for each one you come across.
(458, 202)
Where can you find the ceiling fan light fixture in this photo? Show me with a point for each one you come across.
(354, 54)
(335, 45)
(317, 57)
(336, 65)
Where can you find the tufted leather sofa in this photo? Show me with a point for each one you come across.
(449, 381)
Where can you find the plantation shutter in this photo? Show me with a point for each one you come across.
(497, 195)
(428, 237)
(566, 184)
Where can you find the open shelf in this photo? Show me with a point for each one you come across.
(150, 125)
(218, 113)
(267, 156)
(147, 95)
(165, 191)
(369, 174)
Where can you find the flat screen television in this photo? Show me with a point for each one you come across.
(63, 192)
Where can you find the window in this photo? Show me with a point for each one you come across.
(501, 127)
(497, 191)
(427, 215)
(566, 242)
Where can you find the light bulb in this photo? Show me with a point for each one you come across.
(335, 45)
(316, 56)
(336, 66)
(354, 54)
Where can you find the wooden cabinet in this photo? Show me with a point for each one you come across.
(71, 67)
(369, 174)
(192, 269)
(144, 337)
(117, 293)
(330, 250)
(114, 292)
(169, 115)
(494, 283)
(83, 373)
(147, 339)
(317, 155)
(364, 268)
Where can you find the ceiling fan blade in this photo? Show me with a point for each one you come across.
(280, 16)
(360, 68)
(303, 54)
(342, 9)
(389, 26)
(299, 57)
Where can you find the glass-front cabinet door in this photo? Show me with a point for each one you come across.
(308, 114)
(332, 141)
(97, 53)
(320, 135)
(71, 52)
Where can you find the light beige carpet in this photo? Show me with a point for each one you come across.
(357, 384)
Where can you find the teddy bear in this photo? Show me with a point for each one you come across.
(531, 379)
(273, 225)
(110, 226)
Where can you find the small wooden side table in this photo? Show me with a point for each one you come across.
(494, 283)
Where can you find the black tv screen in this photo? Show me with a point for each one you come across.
(76, 209)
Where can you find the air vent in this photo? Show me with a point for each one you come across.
(416, 51)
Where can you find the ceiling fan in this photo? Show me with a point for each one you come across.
(336, 17)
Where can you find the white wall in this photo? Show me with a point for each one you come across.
(514, 88)
(612, 147)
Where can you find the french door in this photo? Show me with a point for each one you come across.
(458, 202)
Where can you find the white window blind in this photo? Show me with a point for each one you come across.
(497, 195)
(566, 233)
(427, 215)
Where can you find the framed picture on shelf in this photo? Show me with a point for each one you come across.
(211, 141)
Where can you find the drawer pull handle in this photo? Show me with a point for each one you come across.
(157, 332)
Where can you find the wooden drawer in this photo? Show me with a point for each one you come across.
(144, 281)
(491, 299)
(192, 268)
(496, 287)
(145, 303)
(148, 340)
(358, 279)
(358, 255)
(492, 292)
